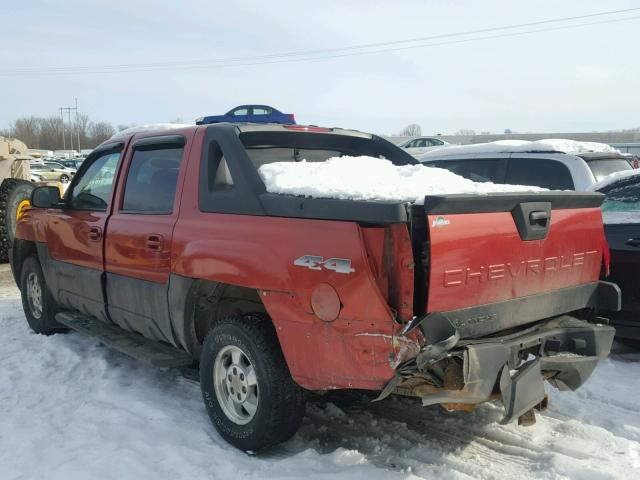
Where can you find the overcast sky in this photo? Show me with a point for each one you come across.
(579, 79)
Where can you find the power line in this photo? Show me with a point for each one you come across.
(322, 54)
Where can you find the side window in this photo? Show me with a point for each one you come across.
(539, 172)
(151, 180)
(92, 189)
(261, 111)
(240, 111)
(411, 144)
(480, 170)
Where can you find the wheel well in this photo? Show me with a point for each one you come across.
(209, 302)
(22, 249)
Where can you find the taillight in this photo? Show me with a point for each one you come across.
(307, 128)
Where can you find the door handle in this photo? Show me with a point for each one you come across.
(633, 242)
(154, 242)
(95, 234)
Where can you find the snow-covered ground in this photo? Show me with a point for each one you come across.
(72, 409)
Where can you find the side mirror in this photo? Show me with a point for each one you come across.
(45, 197)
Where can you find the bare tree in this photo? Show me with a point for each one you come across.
(413, 130)
(50, 132)
(99, 132)
(46, 132)
(80, 128)
(26, 129)
(466, 132)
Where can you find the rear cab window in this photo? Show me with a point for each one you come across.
(282, 146)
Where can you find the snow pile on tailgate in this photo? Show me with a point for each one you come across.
(370, 178)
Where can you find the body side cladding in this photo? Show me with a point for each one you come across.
(138, 305)
(84, 299)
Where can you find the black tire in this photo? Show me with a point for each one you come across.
(41, 320)
(64, 178)
(280, 401)
(12, 192)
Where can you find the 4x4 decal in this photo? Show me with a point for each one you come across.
(314, 262)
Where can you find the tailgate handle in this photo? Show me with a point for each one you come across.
(633, 242)
(532, 220)
(539, 217)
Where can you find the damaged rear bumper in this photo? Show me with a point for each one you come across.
(563, 351)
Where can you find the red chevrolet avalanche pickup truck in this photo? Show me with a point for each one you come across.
(168, 247)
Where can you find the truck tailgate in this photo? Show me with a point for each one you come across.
(492, 249)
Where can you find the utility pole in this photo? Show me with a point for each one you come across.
(64, 145)
(78, 125)
(68, 110)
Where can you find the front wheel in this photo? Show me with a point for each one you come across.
(37, 303)
(64, 178)
(247, 389)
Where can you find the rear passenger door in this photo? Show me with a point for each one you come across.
(261, 115)
(139, 235)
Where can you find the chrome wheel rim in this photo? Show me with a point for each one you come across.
(236, 385)
(34, 295)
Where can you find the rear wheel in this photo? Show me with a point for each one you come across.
(14, 199)
(64, 178)
(247, 389)
(37, 303)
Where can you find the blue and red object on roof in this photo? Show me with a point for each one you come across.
(251, 114)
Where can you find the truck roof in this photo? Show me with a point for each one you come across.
(152, 129)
